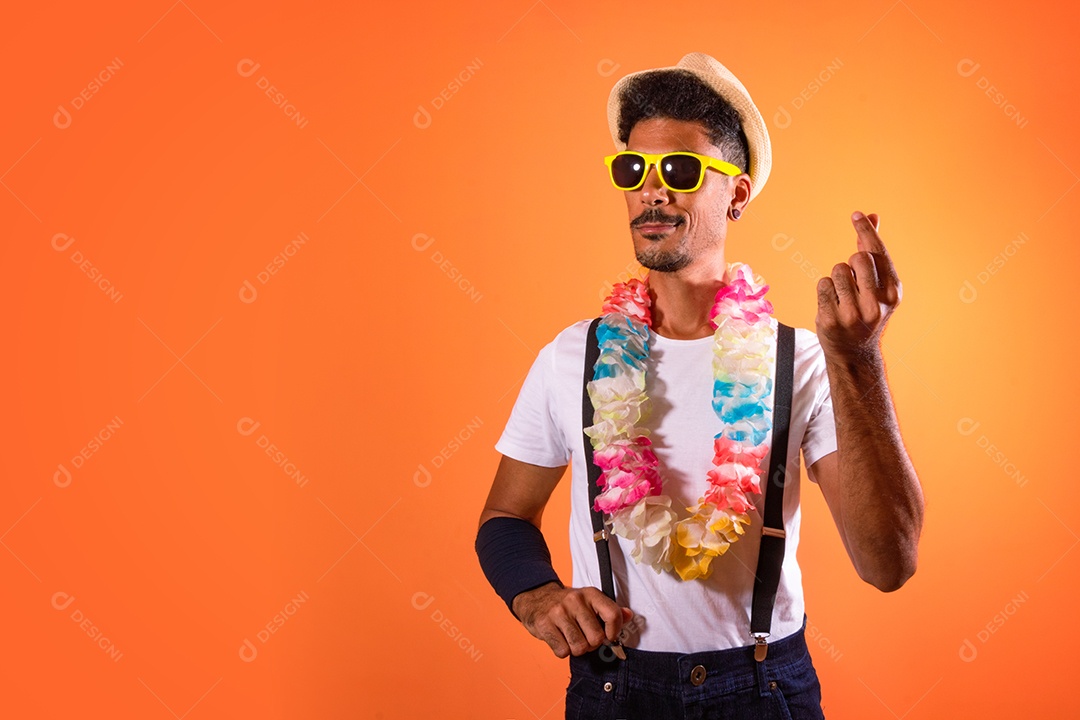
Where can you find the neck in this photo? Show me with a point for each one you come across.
(681, 301)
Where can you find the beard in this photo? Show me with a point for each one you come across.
(667, 261)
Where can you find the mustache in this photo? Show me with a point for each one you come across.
(656, 218)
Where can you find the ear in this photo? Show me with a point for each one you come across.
(740, 192)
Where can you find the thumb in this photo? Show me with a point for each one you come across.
(627, 613)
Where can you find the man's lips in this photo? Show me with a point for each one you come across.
(656, 227)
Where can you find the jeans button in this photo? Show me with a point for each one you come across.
(607, 687)
(697, 675)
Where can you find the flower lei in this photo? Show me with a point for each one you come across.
(631, 487)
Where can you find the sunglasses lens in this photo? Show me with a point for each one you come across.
(626, 170)
(681, 172)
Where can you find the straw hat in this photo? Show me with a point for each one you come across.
(720, 79)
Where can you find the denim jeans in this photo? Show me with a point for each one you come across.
(715, 684)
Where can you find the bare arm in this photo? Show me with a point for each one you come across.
(869, 482)
(520, 490)
(565, 618)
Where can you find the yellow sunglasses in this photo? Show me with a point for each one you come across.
(679, 171)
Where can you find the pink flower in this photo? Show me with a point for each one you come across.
(738, 463)
(636, 452)
(727, 497)
(630, 298)
(741, 299)
(616, 497)
(625, 485)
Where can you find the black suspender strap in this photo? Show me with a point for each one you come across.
(600, 533)
(771, 554)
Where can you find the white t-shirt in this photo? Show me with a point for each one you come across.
(545, 428)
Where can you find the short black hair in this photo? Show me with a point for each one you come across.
(680, 95)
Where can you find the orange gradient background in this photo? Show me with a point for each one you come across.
(385, 373)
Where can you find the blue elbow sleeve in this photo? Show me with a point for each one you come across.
(514, 557)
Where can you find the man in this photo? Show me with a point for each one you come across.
(679, 640)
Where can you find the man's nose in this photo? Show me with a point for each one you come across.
(653, 191)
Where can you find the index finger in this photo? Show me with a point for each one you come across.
(868, 240)
(611, 615)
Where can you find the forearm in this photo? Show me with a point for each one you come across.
(881, 501)
(514, 558)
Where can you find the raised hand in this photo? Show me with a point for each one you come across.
(857, 300)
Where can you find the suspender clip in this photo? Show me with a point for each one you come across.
(760, 646)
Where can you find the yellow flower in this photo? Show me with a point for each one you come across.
(707, 534)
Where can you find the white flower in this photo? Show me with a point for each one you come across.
(648, 525)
